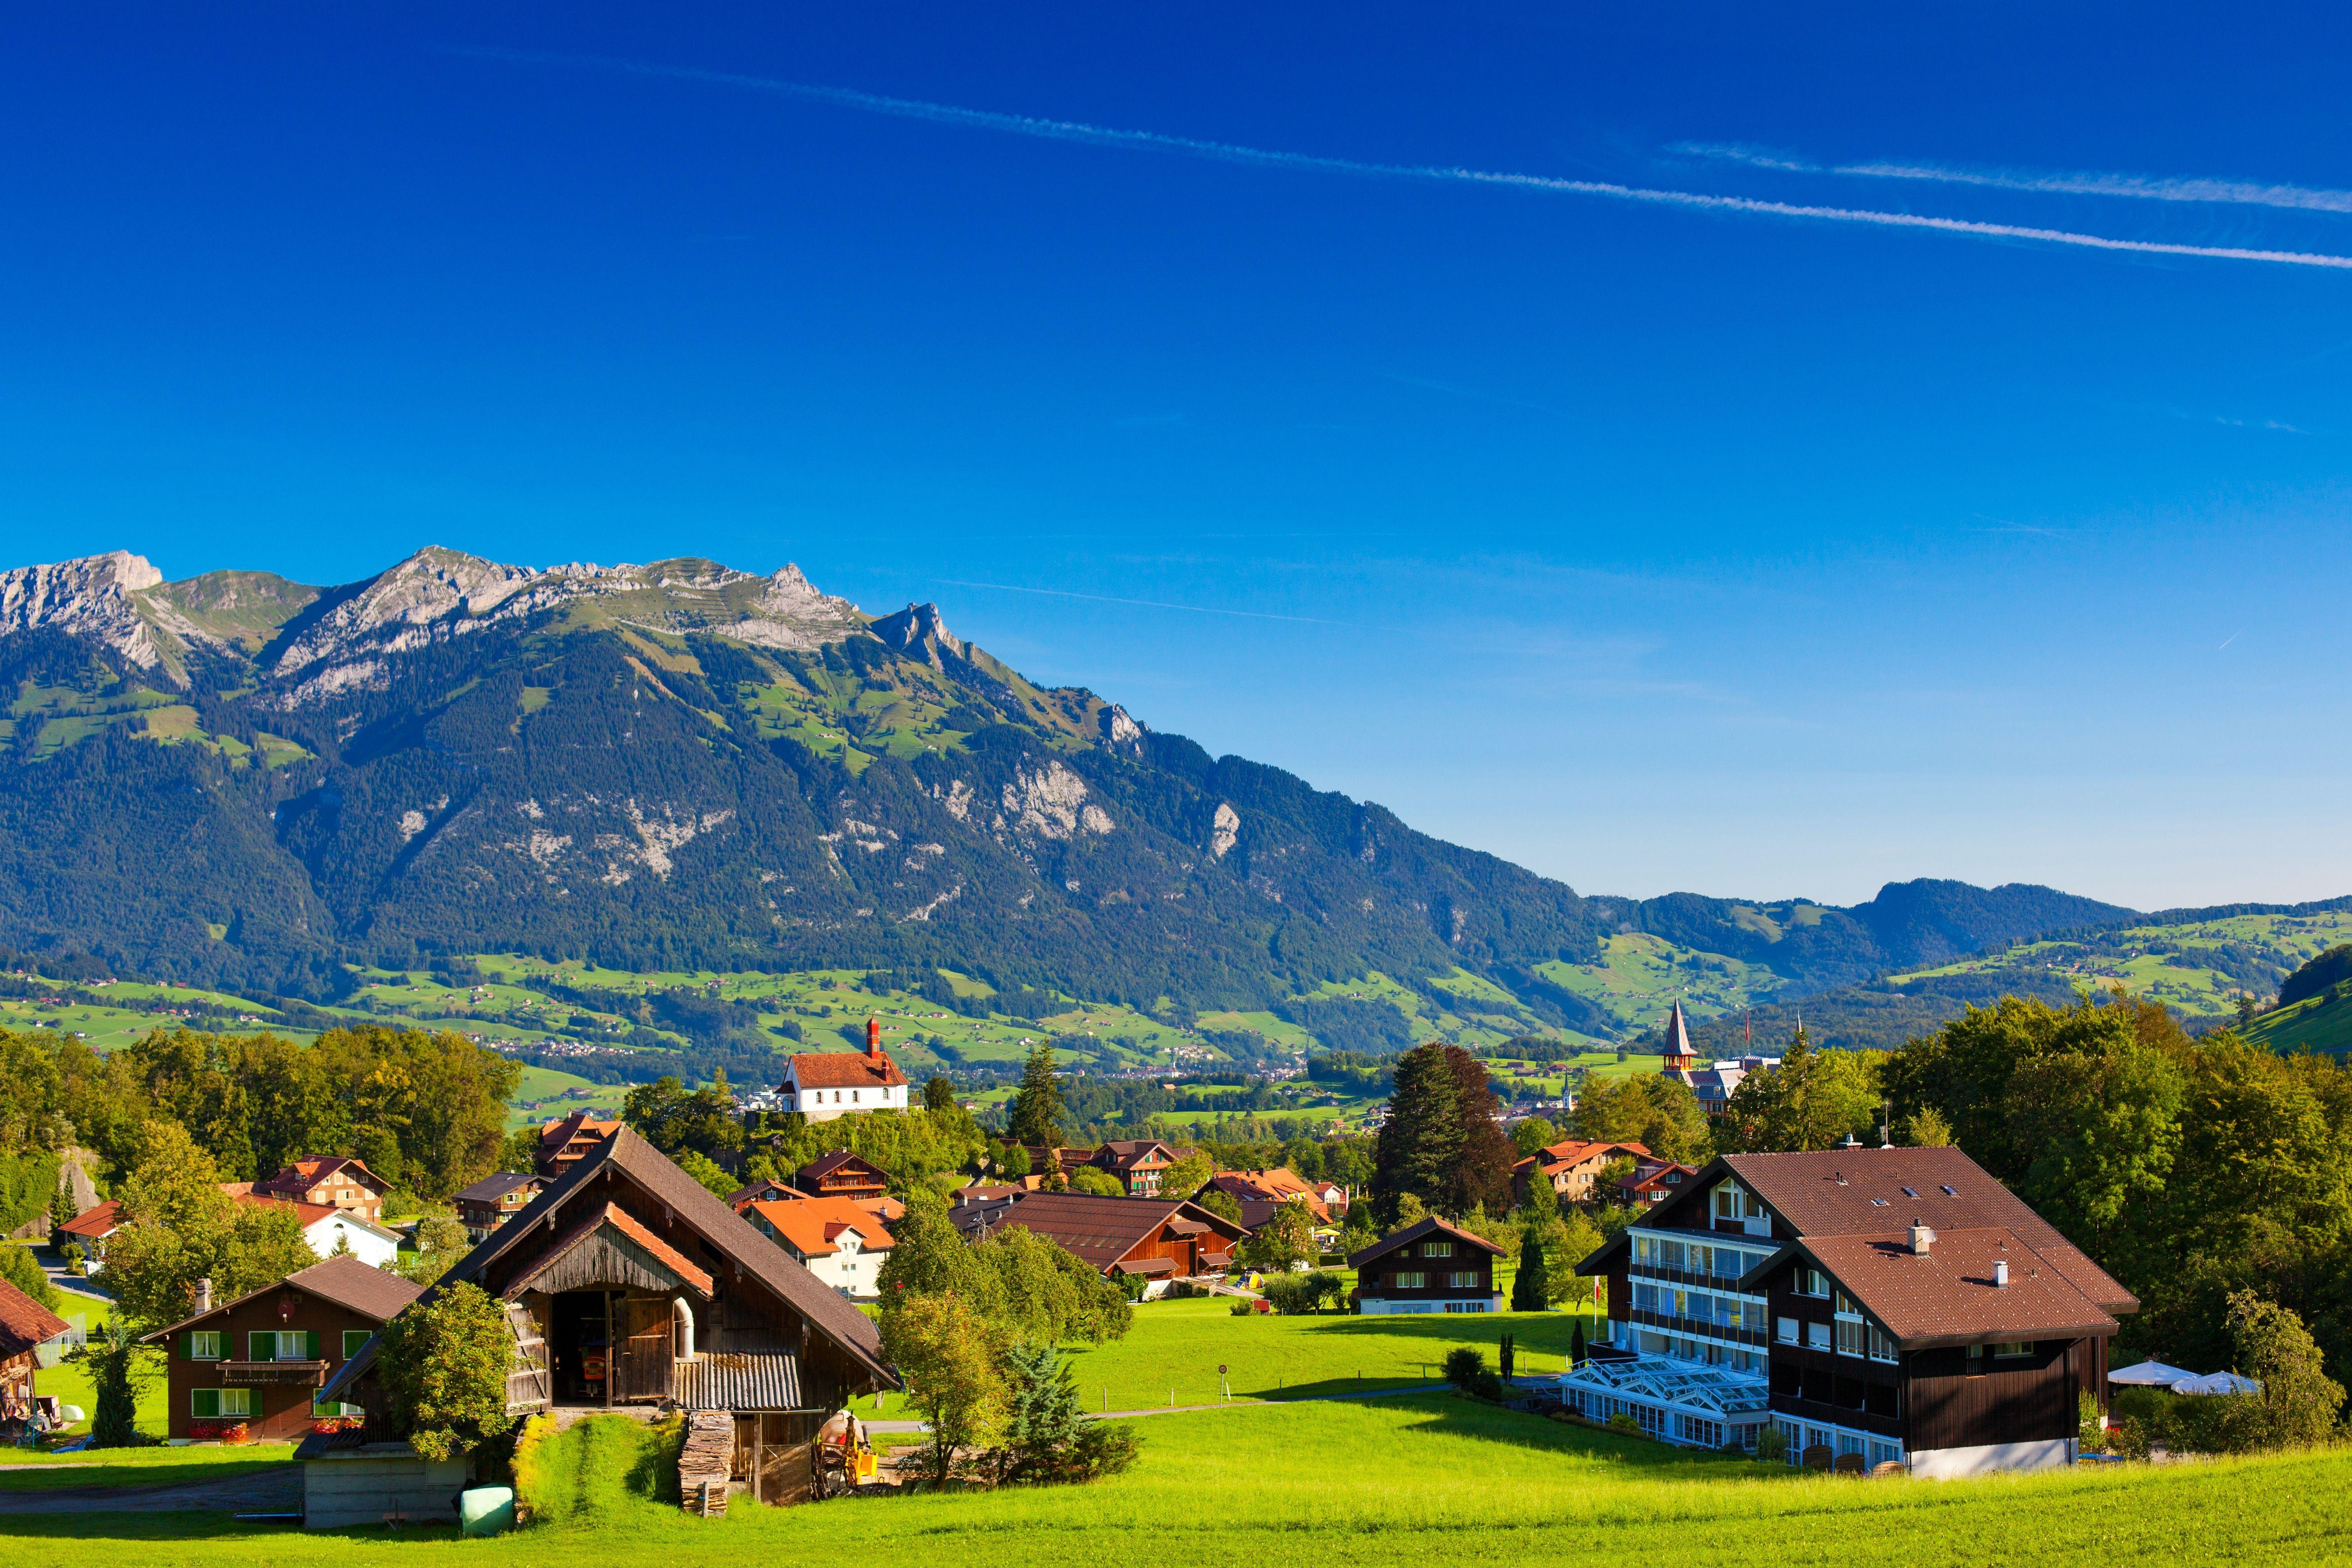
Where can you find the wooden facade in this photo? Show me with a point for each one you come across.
(1429, 1266)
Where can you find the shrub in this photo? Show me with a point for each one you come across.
(2298, 1403)
(1465, 1365)
(444, 1364)
(1244, 1307)
(1772, 1445)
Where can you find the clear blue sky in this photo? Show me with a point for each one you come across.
(1654, 545)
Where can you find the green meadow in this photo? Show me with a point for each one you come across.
(1427, 1482)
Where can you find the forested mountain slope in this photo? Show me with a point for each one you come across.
(243, 781)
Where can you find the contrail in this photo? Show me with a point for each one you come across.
(1146, 603)
(2138, 187)
(1229, 152)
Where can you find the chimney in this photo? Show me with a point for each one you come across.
(874, 1039)
(2001, 1275)
(1922, 1238)
(205, 1294)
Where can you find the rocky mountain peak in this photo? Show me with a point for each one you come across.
(94, 595)
(919, 630)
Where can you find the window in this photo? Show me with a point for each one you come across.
(352, 1340)
(270, 1344)
(1851, 1338)
(209, 1403)
(1882, 1348)
(1465, 1306)
(1812, 1282)
(331, 1410)
(1817, 1336)
(1726, 1202)
(1910, 1192)
(1467, 1280)
(1408, 1279)
(1951, 1191)
(1437, 1249)
(1786, 1330)
(2012, 1349)
(1845, 1305)
(205, 1344)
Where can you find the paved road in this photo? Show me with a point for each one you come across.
(274, 1489)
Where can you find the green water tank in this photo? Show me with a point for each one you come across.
(486, 1510)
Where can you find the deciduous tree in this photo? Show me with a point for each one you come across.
(444, 1363)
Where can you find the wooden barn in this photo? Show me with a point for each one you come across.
(1159, 1239)
(628, 1283)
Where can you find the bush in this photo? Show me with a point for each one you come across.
(444, 1365)
(1465, 1365)
(1772, 1445)
(1621, 1422)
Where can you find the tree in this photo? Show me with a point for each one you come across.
(931, 1257)
(1036, 1110)
(1188, 1176)
(1045, 1436)
(1926, 1129)
(518, 1152)
(1012, 1161)
(1812, 1100)
(2298, 1403)
(1420, 1146)
(1287, 1238)
(440, 1242)
(1530, 1288)
(939, 1094)
(18, 1267)
(1220, 1203)
(1100, 1182)
(1534, 1133)
(1482, 1166)
(706, 1170)
(1578, 1239)
(705, 1121)
(946, 1350)
(1649, 1109)
(179, 1227)
(112, 1357)
(444, 1363)
(1044, 1295)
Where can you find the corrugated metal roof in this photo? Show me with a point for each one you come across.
(732, 1380)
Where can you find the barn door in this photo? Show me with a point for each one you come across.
(527, 1382)
(784, 1443)
(647, 1360)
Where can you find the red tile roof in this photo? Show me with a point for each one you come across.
(91, 1223)
(23, 1323)
(564, 1129)
(813, 1225)
(1576, 1151)
(844, 1070)
(308, 1171)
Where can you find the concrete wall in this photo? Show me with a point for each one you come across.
(1382, 1306)
(363, 1485)
(1951, 1464)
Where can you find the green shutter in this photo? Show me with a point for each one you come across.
(311, 1345)
(188, 1346)
(256, 1339)
(204, 1402)
(354, 1341)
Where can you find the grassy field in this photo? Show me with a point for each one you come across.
(70, 1383)
(1638, 978)
(1429, 1481)
(137, 1467)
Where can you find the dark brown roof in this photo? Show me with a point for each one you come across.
(343, 1279)
(1432, 1226)
(1096, 1230)
(310, 1170)
(1829, 1192)
(728, 1232)
(24, 1321)
(622, 1220)
(492, 1188)
(1948, 1296)
(840, 1159)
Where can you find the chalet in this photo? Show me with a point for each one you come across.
(841, 1175)
(628, 1283)
(89, 1230)
(1877, 1305)
(1653, 1181)
(1570, 1167)
(259, 1361)
(824, 1084)
(1046, 1159)
(333, 1181)
(1136, 1163)
(25, 1323)
(1430, 1266)
(564, 1142)
(494, 1200)
(1261, 1192)
(1159, 1239)
(835, 1238)
(769, 1191)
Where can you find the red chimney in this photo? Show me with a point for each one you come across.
(874, 1039)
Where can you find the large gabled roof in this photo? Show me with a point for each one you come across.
(1432, 1226)
(1949, 1295)
(628, 1157)
(23, 1323)
(494, 1186)
(846, 1070)
(342, 1280)
(841, 1159)
(1871, 1192)
(1096, 1230)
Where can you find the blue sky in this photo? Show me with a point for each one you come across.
(1657, 545)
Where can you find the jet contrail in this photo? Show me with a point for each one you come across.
(1229, 152)
(2138, 187)
(1146, 603)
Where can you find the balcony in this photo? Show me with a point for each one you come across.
(312, 1373)
(1692, 1328)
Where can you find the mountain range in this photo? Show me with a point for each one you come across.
(240, 780)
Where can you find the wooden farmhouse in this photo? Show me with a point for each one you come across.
(494, 1200)
(842, 1175)
(1879, 1306)
(628, 1283)
(1430, 1266)
(1159, 1239)
(335, 1181)
(258, 1362)
(24, 1324)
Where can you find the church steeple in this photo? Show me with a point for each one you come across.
(1681, 1055)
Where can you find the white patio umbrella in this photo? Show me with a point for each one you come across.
(2150, 1375)
(2219, 1382)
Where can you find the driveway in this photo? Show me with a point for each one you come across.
(274, 1489)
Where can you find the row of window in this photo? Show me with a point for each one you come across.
(1875, 1451)
(213, 1404)
(1699, 1306)
(1414, 1280)
(1847, 1336)
(268, 1344)
(1695, 1257)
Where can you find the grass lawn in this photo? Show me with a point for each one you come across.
(1179, 1345)
(138, 1467)
(1428, 1481)
(69, 1379)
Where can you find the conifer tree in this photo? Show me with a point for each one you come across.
(1038, 1108)
(1419, 1144)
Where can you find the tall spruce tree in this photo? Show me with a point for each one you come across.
(1529, 1286)
(1420, 1146)
(1038, 1108)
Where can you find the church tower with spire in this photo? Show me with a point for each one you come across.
(1682, 1057)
